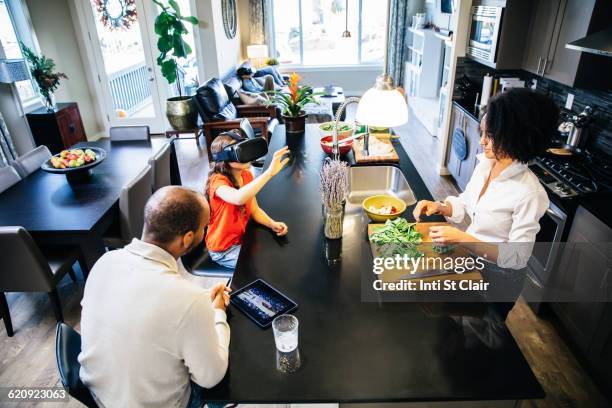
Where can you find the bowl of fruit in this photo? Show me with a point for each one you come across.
(383, 207)
(76, 164)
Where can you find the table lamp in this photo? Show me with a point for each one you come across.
(13, 70)
(256, 53)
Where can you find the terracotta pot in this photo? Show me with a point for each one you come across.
(295, 124)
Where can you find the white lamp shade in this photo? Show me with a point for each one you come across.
(257, 51)
(382, 108)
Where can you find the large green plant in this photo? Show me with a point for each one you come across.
(170, 28)
(42, 70)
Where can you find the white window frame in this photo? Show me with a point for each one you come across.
(314, 68)
(24, 30)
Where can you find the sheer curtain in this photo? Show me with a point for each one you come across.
(7, 149)
(259, 12)
(399, 36)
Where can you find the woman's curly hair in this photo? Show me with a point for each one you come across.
(521, 123)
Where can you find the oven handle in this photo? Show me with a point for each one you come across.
(556, 213)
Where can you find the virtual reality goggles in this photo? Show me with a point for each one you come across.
(243, 151)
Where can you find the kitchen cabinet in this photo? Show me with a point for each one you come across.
(587, 272)
(59, 129)
(462, 170)
(553, 24)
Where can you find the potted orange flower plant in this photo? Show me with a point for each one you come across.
(292, 104)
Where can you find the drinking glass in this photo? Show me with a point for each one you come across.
(285, 329)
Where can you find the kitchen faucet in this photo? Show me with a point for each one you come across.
(339, 112)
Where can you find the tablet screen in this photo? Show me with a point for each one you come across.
(261, 302)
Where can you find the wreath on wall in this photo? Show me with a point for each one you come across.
(117, 14)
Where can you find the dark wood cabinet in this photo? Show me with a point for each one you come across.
(57, 130)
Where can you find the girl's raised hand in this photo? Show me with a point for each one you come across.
(278, 162)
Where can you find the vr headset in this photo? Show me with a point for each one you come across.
(243, 151)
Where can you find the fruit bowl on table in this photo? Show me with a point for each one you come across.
(346, 129)
(74, 170)
(327, 143)
(380, 201)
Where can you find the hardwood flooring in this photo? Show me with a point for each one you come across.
(28, 358)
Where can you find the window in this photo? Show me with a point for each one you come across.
(12, 20)
(309, 32)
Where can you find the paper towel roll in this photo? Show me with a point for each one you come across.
(487, 84)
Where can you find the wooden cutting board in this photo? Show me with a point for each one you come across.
(382, 139)
(394, 275)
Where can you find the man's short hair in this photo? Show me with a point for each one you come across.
(172, 212)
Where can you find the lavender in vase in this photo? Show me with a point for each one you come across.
(334, 191)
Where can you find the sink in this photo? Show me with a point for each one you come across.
(365, 181)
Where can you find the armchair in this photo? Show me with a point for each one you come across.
(219, 114)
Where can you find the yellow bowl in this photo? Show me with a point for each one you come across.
(380, 201)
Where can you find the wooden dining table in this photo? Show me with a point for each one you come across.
(56, 212)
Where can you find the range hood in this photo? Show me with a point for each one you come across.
(599, 43)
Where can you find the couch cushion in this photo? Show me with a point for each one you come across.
(213, 102)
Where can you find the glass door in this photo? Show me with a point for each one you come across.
(125, 64)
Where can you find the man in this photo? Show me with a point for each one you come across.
(146, 330)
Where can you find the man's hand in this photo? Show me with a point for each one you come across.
(219, 294)
(278, 162)
(428, 208)
(445, 234)
(280, 228)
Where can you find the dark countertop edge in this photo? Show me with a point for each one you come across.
(466, 111)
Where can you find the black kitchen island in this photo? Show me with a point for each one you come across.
(353, 351)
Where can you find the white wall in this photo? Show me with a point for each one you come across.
(221, 54)
(54, 30)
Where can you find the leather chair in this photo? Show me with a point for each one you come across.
(8, 177)
(31, 161)
(160, 164)
(132, 200)
(199, 263)
(67, 349)
(32, 269)
(129, 133)
(219, 114)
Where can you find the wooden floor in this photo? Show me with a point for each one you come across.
(28, 358)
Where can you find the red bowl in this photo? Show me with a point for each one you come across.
(326, 145)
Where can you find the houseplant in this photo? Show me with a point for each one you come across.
(292, 104)
(41, 69)
(170, 28)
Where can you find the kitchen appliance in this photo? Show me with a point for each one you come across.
(577, 137)
(484, 33)
(599, 43)
(567, 180)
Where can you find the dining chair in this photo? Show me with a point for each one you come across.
(132, 200)
(160, 165)
(8, 177)
(67, 350)
(129, 133)
(31, 268)
(31, 161)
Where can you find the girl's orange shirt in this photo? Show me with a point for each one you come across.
(227, 221)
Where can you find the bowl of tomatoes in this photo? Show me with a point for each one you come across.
(75, 164)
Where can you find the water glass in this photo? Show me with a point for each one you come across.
(285, 329)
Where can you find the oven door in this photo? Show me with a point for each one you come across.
(545, 251)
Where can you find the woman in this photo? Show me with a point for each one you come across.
(230, 190)
(503, 199)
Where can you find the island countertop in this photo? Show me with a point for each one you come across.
(354, 351)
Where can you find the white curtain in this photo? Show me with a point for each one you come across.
(7, 149)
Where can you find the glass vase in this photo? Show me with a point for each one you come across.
(334, 218)
(49, 101)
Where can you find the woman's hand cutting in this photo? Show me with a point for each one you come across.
(445, 234)
(426, 207)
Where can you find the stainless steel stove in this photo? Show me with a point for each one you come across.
(570, 177)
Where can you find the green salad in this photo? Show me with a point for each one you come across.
(342, 127)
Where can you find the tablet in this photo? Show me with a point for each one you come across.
(261, 302)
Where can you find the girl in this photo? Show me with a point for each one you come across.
(231, 191)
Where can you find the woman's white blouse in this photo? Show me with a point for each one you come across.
(508, 212)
